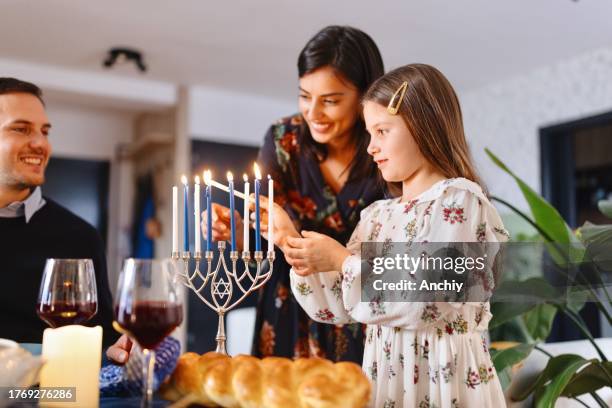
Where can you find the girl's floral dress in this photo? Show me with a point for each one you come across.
(420, 355)
(282, 327)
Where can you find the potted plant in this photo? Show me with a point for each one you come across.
(530, 320)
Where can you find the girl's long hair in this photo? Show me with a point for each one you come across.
(430, 108)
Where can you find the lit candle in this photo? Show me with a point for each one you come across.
(73, 354)
(270, 214)
(257, 226)
(230, 179)
(196, 210)
(174, 219)
(245, 233)
(207, 179)
(226, 189)
(185, 213)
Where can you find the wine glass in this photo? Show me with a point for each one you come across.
(68, 293)
(147, 308)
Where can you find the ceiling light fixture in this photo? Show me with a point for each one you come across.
(121, 55)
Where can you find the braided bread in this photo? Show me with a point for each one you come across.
(215, 380)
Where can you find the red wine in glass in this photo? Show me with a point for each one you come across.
(149, 322)
(68, 293)
(147, 308)
(59, 313)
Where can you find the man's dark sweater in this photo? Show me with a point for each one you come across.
(52, 232)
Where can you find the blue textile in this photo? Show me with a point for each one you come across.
(121, 381)
(145, 245)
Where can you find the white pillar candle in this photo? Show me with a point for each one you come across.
(196, 207)
(72, 354)
(174, 219)
(245, 232)
(270, 214)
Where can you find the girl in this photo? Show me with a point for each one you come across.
(428, 354)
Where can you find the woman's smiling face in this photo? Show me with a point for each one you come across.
(329, 104)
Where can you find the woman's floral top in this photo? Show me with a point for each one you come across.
(282, 327)
(417, 354)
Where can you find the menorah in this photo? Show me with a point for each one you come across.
(222, 291)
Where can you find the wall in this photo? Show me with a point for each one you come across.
(87, 132)
(82, 132)
(102, 89)
(506, 116)
(231, 117)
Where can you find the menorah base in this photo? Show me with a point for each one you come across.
(221, 338)
(221, 291)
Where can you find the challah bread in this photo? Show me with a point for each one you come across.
(216, 380)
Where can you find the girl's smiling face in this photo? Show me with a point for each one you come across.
(392, 146)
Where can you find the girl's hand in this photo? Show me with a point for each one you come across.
(221, 225)
(315, 253)
(283, 225)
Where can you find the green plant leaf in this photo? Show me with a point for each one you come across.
(539, 321)
(514, 298)
(532, 290)
(512, 330)
(547, 396)
(545, 215)
(503, 312)
(554, 367)
(598, 242)
(505, 359)
(576, 300)
(589, 379)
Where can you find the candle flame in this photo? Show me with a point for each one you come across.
(207, 177)
(269, 177)
(245, 178)
(197, 179)
(184, 179)
(257, 172)
(230, 176)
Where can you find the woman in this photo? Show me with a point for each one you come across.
(323, 179)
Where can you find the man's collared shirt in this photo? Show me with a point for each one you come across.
(27, 207)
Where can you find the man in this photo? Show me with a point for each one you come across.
(34, 228)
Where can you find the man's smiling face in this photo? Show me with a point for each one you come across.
(24, 144)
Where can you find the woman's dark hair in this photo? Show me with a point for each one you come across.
(14, 85)
(354, 56)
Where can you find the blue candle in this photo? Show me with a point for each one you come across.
(230, 179)
(257, 223)
(186, 213)
(207, 178)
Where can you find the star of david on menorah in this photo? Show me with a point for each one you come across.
(223, 285)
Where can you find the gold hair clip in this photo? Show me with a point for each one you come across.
(401, 91)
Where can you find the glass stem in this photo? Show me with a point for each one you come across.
(148, 367)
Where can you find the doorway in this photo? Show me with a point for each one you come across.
(576, 173)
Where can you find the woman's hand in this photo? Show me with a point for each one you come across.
(283, 224)
(221, 228)
(119, 353)
(315, 253)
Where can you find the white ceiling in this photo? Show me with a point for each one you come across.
(252, 45)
